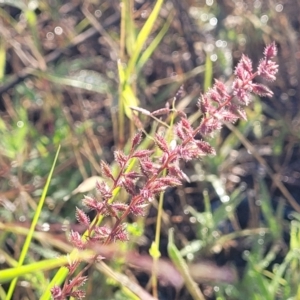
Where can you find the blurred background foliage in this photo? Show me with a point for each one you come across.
(69, 70)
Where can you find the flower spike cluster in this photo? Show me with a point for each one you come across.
(220, 104)
(155, 174)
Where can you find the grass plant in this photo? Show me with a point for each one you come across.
(119, 132)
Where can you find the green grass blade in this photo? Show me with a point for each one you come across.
(142, 37)
(208, 73)
(255, 279)
(129, 100)
(182, 267)
(11, 273)
(32, 227)
(2, 58)
(31, 19)
(279, 274)
(150, 49)
(129, 26)
(121, 116)
(57, 280)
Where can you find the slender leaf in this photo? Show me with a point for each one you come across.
(208, 72)
(2, 58)
(32, 227)
(182, 267)
(154, 44)
(142, 37)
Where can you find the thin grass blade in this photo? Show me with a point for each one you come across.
(32, 227)
(182, 267)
